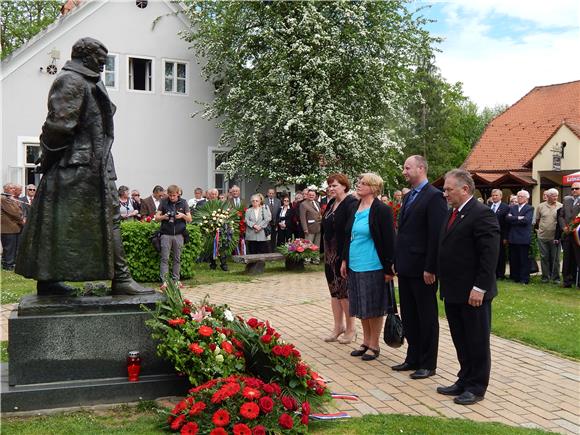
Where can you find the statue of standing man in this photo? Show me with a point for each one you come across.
(72, 232)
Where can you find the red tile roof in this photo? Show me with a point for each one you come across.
(513, 138)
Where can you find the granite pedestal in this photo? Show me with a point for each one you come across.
(72, 351)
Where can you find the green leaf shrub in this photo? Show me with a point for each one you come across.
(143, 259)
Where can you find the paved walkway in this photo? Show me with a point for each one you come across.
(528, 388)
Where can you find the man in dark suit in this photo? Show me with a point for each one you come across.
(519, 219)
(235, 199)
(419, 222)
(274, 204)
(150, 204)
(501, 209)
(468, 251)
(571, 261)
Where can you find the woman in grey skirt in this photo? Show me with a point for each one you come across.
(368, 262)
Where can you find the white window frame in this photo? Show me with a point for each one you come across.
(137, 56)
(212, 151)
(116, 71)
(174, 91)
(21, 165)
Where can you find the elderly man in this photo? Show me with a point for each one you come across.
(11, 225)
(310, 217)
(235, 198)
(197, 196)
(546, 219)
(468, 250)
(73, 231)
(500, 209)
(570, 209)
(519, 218)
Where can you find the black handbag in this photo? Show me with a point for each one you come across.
(156, 240)
(393, 334)
(267, 229)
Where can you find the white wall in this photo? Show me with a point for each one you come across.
(156, 140)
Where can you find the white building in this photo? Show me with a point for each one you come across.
(151, 76)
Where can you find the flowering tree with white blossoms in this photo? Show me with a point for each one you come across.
(307, 88)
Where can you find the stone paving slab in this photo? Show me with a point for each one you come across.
(528, 388)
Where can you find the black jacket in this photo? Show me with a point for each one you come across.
(382, 233)
(173, 226)
(335, 228)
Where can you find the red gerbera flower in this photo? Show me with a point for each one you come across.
(267, 404)
(218, 431)
(178, 422)
(175, 322)
(190, 428)
(285, 421)
(197, 408)
(253, 382)
(259, 430)
(242, 429)
(249, 410)
(221, 417)
(251, 393)
(196, 348)
(206, 331)
(179, 407)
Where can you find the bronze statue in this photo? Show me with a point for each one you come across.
(73, 233)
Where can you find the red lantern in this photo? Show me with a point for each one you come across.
(133, 366)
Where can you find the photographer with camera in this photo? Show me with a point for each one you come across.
(173, 213)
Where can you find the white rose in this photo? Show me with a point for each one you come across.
(229, 315)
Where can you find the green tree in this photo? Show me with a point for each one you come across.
(21, 20)
(306, 88)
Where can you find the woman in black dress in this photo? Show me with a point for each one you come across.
(284, 226)
(333, 229)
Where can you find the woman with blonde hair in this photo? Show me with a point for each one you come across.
(368, 262)
(258, 218)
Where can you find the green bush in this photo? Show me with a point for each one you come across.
(143, 259)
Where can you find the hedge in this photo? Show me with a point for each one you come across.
(143, 259)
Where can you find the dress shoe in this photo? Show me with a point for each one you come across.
(422, 374)
(403, 367)
(224, 267)
(129, 287)
(333, 337)
(360, 352)
(347, 338)
(452, 390)
(467, 398)
(369, 357)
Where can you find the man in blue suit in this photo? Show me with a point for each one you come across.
(519, 219)
(419, 223)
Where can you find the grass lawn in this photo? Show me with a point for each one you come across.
(143, 421)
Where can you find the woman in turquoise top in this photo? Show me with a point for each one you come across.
(368, 262)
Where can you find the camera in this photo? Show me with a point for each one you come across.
(170, 215)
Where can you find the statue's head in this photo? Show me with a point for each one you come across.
(92, 53)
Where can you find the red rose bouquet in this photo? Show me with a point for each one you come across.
(196, 339)
(238, 405)
(300, 249)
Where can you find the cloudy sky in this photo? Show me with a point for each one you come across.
(501, 49)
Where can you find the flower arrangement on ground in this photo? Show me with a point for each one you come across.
(238, 405)
(300, 250)
(196, 339)
(220, 227)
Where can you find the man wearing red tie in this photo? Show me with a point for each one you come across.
(468, 252)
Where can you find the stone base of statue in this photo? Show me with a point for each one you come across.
(67, 352)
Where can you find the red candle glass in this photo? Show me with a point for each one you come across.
(133, 366)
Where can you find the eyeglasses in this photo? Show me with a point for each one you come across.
(575, 188)
(31, 190)
(135, 194)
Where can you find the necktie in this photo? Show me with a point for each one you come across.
(452, 219)
(576, 202)
(495, 207)
(315, 205)
(411, 197)
(271, 201)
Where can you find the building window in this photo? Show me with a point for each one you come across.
(111, 72)
(140, 74)
(31, 153)
(175, 77)
(220, 181)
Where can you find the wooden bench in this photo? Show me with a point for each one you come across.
(256, 263)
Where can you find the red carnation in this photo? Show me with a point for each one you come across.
(277, 350)
(221, 417)
(253, 322)
(276, 387)
(190, 428)
(186, 310)
(266, 338)
(320, 390)
(206, 331)
(187, 302)
(218, 431)
(237, 343)
(268, 389)
(249, 410)
(296, 353)
(267, 404)
(178, 422)
(197, 408)
(305, 408)
(196, 348)
(301, 370)
(175, 322)
(304, 419)
(242, 429)
(285, 421)
(227, 347)
(251, 393)
(212, 346)
(286, 350)
(259, 430)
(208, 309)
(289, 403)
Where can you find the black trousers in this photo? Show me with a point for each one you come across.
(420, 321)
(470, 329)
(519, 263)
(258, 247)
(9, 248)
(570, 261)
(500, 269)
